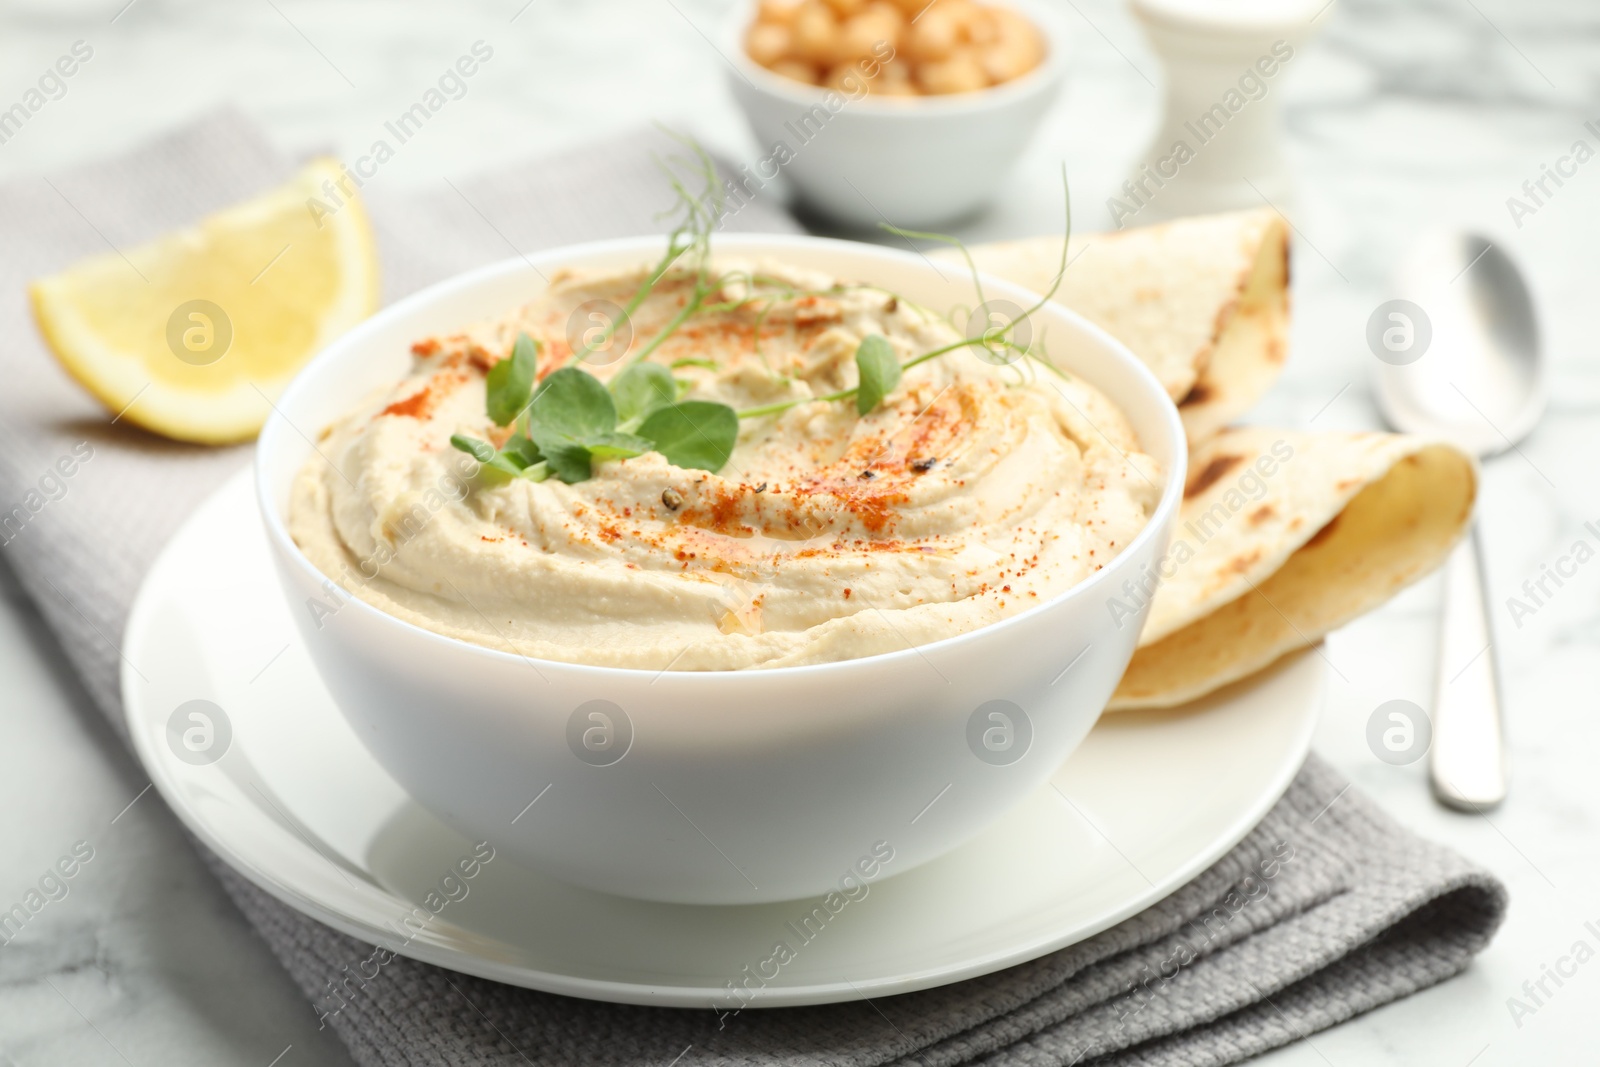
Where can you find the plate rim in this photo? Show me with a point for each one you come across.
(463, 961)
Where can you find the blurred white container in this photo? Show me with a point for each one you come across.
(912, 161)
(1225, 62)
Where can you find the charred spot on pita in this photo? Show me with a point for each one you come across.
(1240, 564)
(1209, 475)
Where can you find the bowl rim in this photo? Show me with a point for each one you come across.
(1041, 80)
(279, 427)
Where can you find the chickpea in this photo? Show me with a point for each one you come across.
(797, 69)
(877, 76)
(1018, 32)
(1003, 61)
(942, 46)
(778, 11)
(961, 73)
(896, 72)
(816, 35)
(900, 85)
(955, 12)
(981, 27)
(846, 79)
(867, 32)
(911, 8)
(767, 42)
(1016, 50)
(933, 36)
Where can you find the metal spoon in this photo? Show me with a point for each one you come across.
(1479, 382)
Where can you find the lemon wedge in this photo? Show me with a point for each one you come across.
(193, 335)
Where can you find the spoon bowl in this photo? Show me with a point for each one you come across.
(1478, 378)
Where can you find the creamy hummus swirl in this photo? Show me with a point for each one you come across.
(975, 492)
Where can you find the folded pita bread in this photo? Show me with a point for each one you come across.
(1284, 536)
(1204, 302)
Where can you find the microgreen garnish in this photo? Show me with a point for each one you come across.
(991, 337)
(521, 451)
(510, 381)
(879, 372)
(699, 214)
(573, 421)
(954, 242)
(693, 433)
(570, 419)
(496, 467)
(641, 388)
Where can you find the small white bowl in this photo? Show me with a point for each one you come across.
(732, 787)
(916, 162)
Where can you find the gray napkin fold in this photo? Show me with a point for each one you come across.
(1327, 909)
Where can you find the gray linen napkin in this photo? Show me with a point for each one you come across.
(1326, 910)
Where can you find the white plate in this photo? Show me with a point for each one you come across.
(296, 804)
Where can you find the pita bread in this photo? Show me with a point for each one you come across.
(1284, 536)
(1204, 302)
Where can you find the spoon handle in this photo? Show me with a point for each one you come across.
(1467, 762)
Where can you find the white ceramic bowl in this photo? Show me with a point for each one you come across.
(914, 162)
(732, 787)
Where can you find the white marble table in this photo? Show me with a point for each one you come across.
(1400, 116)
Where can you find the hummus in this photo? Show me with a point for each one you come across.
(976, 491)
